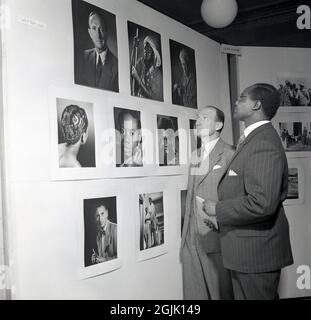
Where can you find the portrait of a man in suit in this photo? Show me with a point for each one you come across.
(100, 230)
(204, 276)
(254, 231)
(96, 64)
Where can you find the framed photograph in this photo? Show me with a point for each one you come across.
(146, 72)
(195, 141)
(184, 79)
(95, 47)
(168, 141)
(100, 247)
(76, 137)
(183, 198)
(295, 90)
(151, 225)
(294, 130)
(129, 150)
(296, 186)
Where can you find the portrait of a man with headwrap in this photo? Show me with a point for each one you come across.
(146, 63)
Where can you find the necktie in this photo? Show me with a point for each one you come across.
(240, 142)
(99, 70)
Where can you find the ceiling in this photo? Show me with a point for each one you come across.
(258, 23)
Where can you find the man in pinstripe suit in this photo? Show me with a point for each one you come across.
(255, 241)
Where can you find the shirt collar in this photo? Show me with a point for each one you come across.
(102, 56)
(209, 146)
(254, 126)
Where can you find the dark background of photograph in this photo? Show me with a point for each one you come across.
(176, 68)
(157, 199)
(142, 33)
(166, 122)
(117, 125)
(183, 198)
(90, 228)
(86, 155)
(82, 40)
(293, 192)
(195, 141)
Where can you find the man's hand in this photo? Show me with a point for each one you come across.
(210, 208)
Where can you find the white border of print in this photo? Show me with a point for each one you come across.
(299, 116)
(151, 253)
(109, 266)
(301, 184)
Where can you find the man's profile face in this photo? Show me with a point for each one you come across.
(101, 217)
(148, 52)
(184, 65)
(98, 32)
(206, 122)
(131, 134)
(244, 105)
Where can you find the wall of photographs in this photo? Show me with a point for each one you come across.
(289, 70)
(65, 169)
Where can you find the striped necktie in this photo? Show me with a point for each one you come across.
(241, 141)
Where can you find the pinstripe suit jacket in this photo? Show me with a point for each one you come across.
(253, 226)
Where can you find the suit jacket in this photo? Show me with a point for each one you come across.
(85, 71)
(253, 226)
(205, 186)
(108, 248)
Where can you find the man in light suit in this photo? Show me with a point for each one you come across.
(254, 230)
(204, 276)
(98, 67)
(106, 239)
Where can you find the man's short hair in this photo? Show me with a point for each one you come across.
(133, 113)
(74, 123)
(93, 13)
(269, 97)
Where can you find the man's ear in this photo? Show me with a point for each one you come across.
(257, 105)
(219, 125)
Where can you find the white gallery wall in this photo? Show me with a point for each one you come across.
(44, 215)
(264, 65)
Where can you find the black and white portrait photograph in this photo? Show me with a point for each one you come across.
(195, 140)
(76, 134)
(100, 230)
(184, 79)
(146, 72)
(168, 140)
(296, 187)
(151, 212)
(295, 91)
(295, 136)
(95, 47)
(183, 198)
(128, 138)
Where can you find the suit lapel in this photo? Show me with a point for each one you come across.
(246, 141)
(212, 159)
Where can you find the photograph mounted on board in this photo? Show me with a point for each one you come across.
(295, 91)
(95, 47)
(295, 194)
(152, 226)
(295, 136)
(76, 134)
(146, 72)
(184, 78)
(100, 230)
(168, 141)
(128, 138)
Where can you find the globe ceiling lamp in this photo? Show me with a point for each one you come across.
(219, 13)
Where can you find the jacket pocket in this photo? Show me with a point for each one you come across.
(253, 233)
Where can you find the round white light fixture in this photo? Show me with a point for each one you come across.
(219, 13)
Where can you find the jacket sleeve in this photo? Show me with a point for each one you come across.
(263, 179)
